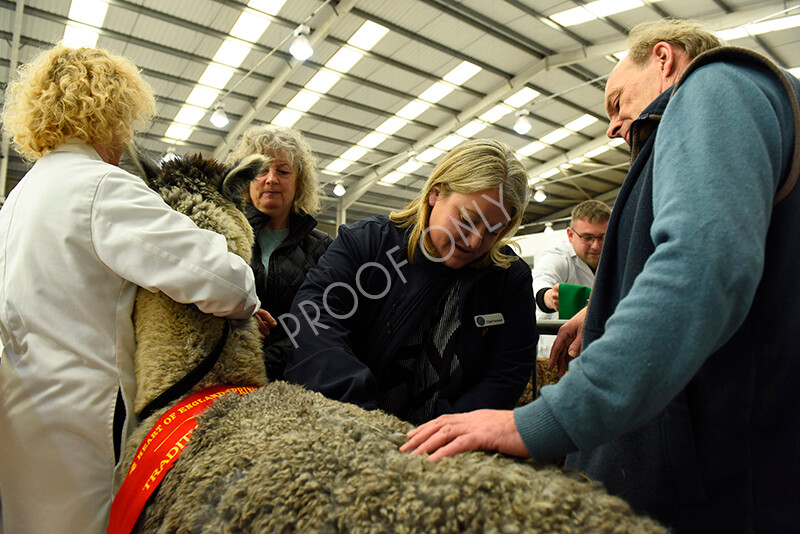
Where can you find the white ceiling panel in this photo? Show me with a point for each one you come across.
(174, 42)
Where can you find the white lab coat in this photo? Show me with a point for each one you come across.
(77, 236)
(559, 265)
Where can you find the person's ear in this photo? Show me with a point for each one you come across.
(433, 195)
(664, 54)
(569, 233)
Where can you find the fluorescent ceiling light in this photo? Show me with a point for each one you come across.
(287, 117)
(216, 75)
(409, 166)
(190, 115)
(202, 96)
(367, 35)
(580, 123)
(597, 151)
(566, 166)
(393, 177)
(616, 142)
(757, 28)
(177, 131)
(303, 101)
(449, 142)
(354, 153)
(732, 34)
(270, 7)
(91, 12)
(572, 17)
(795, 72)
(496, 113)
(391, 125)
(521, 97)
(249, 26)
(372, 140)
(338, 165)
(773, 25)
(577, 161)
(606, 8)
(592, 10)
(541, 196)
(231, 52)
(532, 148)
(436, 92)
(78, 35)
(555, 136)
(471, 128)
(323, 80)
(463, 72)
(548, 174)
(430, 155)
(343, 60)
(413, 109)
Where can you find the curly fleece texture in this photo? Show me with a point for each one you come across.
(284, 459)
(287, 459)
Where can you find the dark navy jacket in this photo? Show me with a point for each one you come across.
(724, 455)
(368, 295)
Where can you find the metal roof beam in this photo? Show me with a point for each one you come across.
(340, 10)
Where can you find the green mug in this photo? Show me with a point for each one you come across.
(572, 299)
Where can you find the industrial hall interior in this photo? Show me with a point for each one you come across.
(368, 266)
(389, 85)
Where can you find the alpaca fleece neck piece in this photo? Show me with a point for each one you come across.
(158, 452)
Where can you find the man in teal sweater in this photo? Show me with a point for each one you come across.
(683, 400)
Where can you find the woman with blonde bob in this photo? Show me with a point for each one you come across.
(426, 311)
(283, 202)
(79, 235)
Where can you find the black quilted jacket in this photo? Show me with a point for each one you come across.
(288, 266)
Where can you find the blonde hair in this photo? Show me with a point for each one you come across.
(82, 93)
(594, 211)
(687, 34)
(471, 167)
(272, 138)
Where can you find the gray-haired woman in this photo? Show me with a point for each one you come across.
(283, 202)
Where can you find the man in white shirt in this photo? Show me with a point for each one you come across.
(573, 261)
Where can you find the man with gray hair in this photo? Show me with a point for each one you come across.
(684, 399)
(573, 261)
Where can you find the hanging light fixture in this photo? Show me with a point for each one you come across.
(548, 228)
(523, 124)
(169, 156)
(540, 195)
(218, 117)
(339, 189)
(301, 47)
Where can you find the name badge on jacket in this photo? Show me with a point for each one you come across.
(490, 319)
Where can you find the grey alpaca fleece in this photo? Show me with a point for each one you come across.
(287, 459)
(284, 459)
